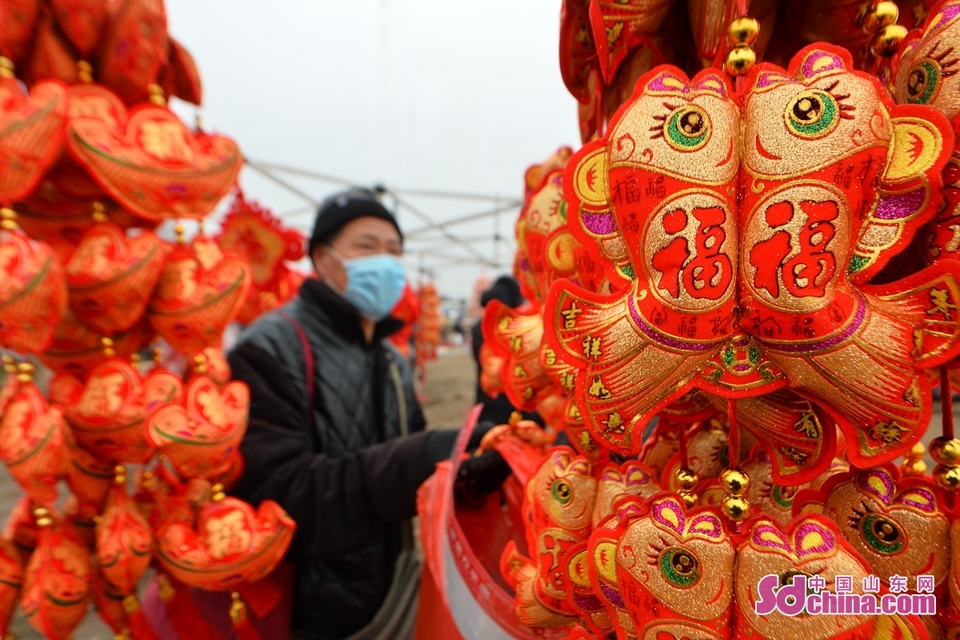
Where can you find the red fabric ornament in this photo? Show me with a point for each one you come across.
(76, 349)
(111, 277)
(11, 576)
(107, 414)
(557, 513)
(201, 291)
(21, 528)
(82, 21)
(809, 544)
(32, 292)
(639, 190)
(153, 165)
(88, 477)
(228, 544)
(408, 311)
(18, 17)
(134, 49)
(515, 336)
(181, 78)
(51, 57)
(31, 443)
(255, 233)
(619, 27)
(31, 131)
(124, 541)
(202, 436)
(57, 584)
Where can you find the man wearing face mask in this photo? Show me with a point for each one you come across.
(336, 434)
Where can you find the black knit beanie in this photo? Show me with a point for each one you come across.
(340, 208)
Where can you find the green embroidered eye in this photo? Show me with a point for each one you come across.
(783, 496)
(812, 113)
(882, 534)
(923, 83)
(562, 491)
(687, 128)
(679, 566)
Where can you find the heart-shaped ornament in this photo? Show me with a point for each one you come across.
(31, 132)
(200, 293)
(107, 417)
(31, 443)
(202, 437)
(155, 166)
(33, 292)
(111, 277)
(229, 544)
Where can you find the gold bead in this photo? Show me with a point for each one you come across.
(740, 61)
(8, 217)
(99, 212)
(84, 71)
(687, 479)
(945, 451)
(888, 40)
(689, 499)
(735, 508)
(885, 13)
(743, 31)
(217, 493)
(165, 588)
(156, 95)
(238, 609)
(42, 517)
(131, 604)
(917, 451)
(914, 469)
(6, 67)
(25, 372)
(734, 482)
(947, 477)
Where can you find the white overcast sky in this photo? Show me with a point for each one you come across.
(414, 94)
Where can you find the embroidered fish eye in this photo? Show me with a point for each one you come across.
(783, 496)
(687, 128)
(923, 83)
(562, 491)
(927, 75)
(721, 454)
(679, 566)
(882, 534)
(812, 113)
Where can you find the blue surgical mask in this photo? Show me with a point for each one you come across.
(374, 283)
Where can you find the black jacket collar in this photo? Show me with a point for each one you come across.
(344, 317)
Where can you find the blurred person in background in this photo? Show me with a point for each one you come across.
(337, 436)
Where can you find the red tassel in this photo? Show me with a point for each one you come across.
(140, 627)
(261, 596)
(733, 437)
(182, 612)
(238, 614)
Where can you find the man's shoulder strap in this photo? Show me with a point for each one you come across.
(307, 360)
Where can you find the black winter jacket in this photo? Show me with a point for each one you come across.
(349, 481)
